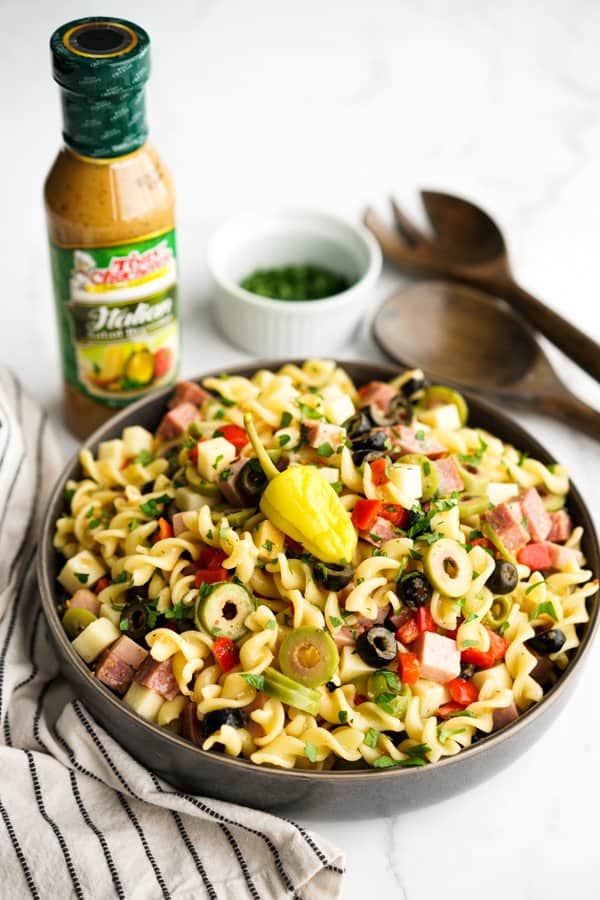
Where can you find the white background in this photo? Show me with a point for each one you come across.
(335, 105)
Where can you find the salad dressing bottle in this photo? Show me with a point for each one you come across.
(110, 212)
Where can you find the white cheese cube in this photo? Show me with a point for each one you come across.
(445, 417)
(338, 408)
(214, 456)
(82, 570)
(407, 478)
(111, 450)
(352, 666)
(499, 491)
(144, 701)
(95, 638)
(136, 439)
(329, 473)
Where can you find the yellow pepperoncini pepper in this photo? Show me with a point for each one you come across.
(305, 507)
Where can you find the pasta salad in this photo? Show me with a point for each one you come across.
(310, 575)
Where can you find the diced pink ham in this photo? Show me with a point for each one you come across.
(158, 676)
(177, 420)
(439, 657)
(346, 637)
(318, 433)
(561, 526)
(229, 488)
(382, 614)
(129, 651)
(533, 509)
(505, 520)
(178, 524)
(504, 716)
(114, 672)
(546, 555)
(188, 392)
(381, 530)
(404, 440)
(377, 393)
(84, 599)
(449, 479)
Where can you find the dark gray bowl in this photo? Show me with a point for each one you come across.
(330, 794)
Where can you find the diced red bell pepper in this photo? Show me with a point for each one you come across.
(126, 462)
(483, 542)
(193, 454)
(211, 558)
(536, 556)
(449, 708)
(485, 659)
(226, 653)
(210, 576)
(462, 691)
(100, 585)
(235, 435)
(395, 514)
(365, 512)
(165, 530)
(408, 632)
(425, 620)
(379, 471)
(409, 667)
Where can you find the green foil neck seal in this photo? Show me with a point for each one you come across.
(102, 65)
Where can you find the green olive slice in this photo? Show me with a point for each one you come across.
(222, 609)
(291, 692)
(309, 656)
(439, 395)
(472, 506)
(76, 619)
(498, 612)
(448, 567)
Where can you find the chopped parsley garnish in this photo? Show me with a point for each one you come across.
(532, 587)
(217, 461)
(391, 679)
(284, 439)
(427, 467)
(474, 459)
(69, 494)
(220, 413)
(445, 733)
(286, 418)
(225, 474)
(337, 486)
(465, 644)
(255, 681)
(311, 751)
(94, 523)
(268, 545)
(271, 625)
(420, 436)
(151, 507)
(384, 701)
(82, 577)
(343, 716)
(178, 611)
(309, 412)
(371, 738)
(143, 458)
(121, 578)
(124, 624)
(337, 623)
(544, 609)
(325, 449)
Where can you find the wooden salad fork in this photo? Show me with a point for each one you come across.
(467, 246)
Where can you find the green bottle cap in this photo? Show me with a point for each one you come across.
(102, 65)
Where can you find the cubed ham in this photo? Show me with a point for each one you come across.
(188, 392)
(505, 520)
(158, 676)
(378, 394)
(129, 651)
(84, 599)
(404, 440)
(229, 487)
(533, 510)
(176, 421)
(449, 479)
(319, 433)
(561, 526)
(346, 637)
(504, 716)
(439, 657)
(114, 672)
(381, 616)
(178, 524)
(381, 530)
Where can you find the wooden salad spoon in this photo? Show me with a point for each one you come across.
(469, 339)
(468, 246)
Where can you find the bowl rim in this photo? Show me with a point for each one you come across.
(487, 742)
(289, 307)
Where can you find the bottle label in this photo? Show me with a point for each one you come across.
(117, 315)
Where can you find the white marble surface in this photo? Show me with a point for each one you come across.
(337, 104)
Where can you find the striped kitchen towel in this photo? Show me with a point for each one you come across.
(81, 818)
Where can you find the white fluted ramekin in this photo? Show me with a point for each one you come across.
(284, 328)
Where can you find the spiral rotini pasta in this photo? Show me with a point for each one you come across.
(308, 574)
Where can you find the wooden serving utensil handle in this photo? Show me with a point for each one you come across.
(572, 411)
(574, 343)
